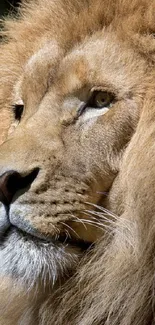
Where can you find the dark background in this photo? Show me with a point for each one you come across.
(7, 6)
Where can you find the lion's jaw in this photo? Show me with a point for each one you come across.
(76, 150)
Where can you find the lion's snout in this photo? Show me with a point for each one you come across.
(13, 184)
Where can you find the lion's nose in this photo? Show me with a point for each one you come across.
(11, 182)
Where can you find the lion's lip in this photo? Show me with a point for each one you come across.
(74, 242)
(61, 239)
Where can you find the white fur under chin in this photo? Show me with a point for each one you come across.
(29, 260)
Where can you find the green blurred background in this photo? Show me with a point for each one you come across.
(8, 5)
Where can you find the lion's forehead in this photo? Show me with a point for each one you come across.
(111, 65)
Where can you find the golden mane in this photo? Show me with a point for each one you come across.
(113, 282)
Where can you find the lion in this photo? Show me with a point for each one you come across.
(77, 100)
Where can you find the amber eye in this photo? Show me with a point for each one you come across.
(101, 99)
(18, 111)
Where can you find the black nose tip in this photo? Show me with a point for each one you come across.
(12, 181)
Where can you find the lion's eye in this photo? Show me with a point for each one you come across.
(101, 99)
(18, 110)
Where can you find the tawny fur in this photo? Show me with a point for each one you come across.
(114, 283)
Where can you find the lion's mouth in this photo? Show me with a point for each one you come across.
(62, 239)
(29, 259)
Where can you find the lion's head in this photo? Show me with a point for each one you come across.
(74, 106)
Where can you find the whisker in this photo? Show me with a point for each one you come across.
(100, 224)
(102, 218)
(99, 215)
(96, 223)
(56, 237)
(104, 210)
(80, 220)
(67, 236)
(91, 223)
(70, 228)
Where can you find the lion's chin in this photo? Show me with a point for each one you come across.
(29, 259)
